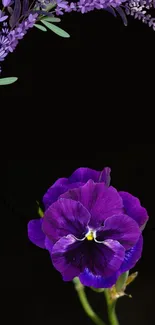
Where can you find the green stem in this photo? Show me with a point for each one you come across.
(111, 304)
(85, 303)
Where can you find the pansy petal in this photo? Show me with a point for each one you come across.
(106, 258)
(133, 208)
(101, 201)
(35, 232)
(132, 256)
(121, 228)
(83, 175)
(66, 257)
(88, 279)
(49, 245)
(65, 217)
(60, 186)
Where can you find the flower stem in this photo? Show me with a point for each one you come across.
(85, 303)
(111, 303)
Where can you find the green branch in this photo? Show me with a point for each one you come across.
(85, 303)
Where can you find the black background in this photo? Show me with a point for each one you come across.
(32, 291)
(100, 51)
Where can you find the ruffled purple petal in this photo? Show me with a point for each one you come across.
(121, 228)
(65, 217)
(60, 186)
(77, 179)
(67, 258)
(71, 256)
(132, 256)
(84, 174)
(88, 279)
(35, 232)
(133, 208)
(106, 257)
(101, 201)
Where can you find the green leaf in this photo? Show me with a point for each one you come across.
(121, 281)
(131, 278)
(40, 211)
(57, 30)
(52, 19)
(7, 81)
(41, 27)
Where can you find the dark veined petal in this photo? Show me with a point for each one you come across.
(101, 201)
(71, 256)
(83, 175)
(106, 257)
(121, 228)
(65, 217)
(132, 256)
(35, 232)
(67, 257)
(60, 186)
(133, 208)
(88, 279)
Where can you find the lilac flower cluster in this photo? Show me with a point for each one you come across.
(85, 6)
(139, 9)
(10, 39)
(17, 18)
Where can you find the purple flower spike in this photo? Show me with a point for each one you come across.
(6, 3)
(91, 230)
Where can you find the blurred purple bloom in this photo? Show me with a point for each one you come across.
(89, 228)
(2, 16)
(6, 3)
(71, 7)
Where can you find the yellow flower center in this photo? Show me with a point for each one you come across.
(90, 236)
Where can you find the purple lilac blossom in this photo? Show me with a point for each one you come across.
(91, 230)
(140, 9)
(9, 41)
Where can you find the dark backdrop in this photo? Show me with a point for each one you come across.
(100, 52)
(31, 290)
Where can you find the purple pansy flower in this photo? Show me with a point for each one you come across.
(91, 230)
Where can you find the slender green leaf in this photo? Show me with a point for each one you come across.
(52, 19)
(57, 30)
(121, 281)
(41, 27)
(7, 81)
(131, 278)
